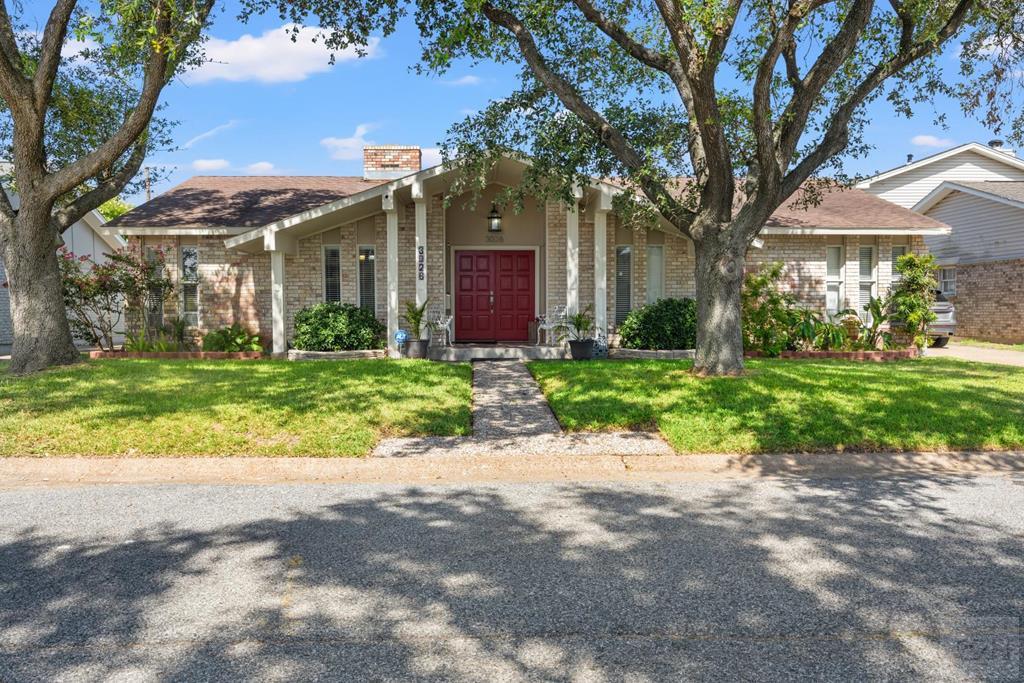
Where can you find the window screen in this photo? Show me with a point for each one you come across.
(367, 278)
(332, 274)
(623, 279)
(655, 273)
(947, 281)
(897, 251)
(833, 279)
(190, 285)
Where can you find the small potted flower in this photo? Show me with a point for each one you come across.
(417, 346)
(579, 330)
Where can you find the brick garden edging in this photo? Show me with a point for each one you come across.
(870, 356)
(177, 355)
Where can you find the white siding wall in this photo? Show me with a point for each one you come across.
(81, 240)
(6, 333)
(983, 230)
(907, 189)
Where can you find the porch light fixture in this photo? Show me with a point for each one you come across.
(494, 220)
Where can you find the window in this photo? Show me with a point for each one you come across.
(655, 273)
(897, 251)
(623, 280)
(947, 281)
(190, 286)
(367, 278)
(833, 279)
(332, 274)
(867, 280)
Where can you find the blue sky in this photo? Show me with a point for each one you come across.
(266, 105)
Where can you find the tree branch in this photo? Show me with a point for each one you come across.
(14, 87)
(609, 136)
(49, 56)
(108, 188)
(633, 47)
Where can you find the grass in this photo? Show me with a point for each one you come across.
(163, 407)
(796, 406)
(988, 345)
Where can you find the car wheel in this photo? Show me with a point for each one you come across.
(939, 342)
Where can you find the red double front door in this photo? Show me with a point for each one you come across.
(494, 295)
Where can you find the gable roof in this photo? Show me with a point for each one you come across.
(239, 201)
(976, 147)
(1009, 192)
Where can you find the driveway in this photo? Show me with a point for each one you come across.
(979, 354)
(895, 578)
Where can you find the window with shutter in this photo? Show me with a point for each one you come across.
(833, 279)
(867, 280)
(655, 273)
(332, 274)
(190, 285)
(367, 278)
(623, 280)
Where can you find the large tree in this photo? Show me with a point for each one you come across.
(77, 120)
(715, 112)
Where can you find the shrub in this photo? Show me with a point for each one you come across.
(768, 313)
(666, 324)
(337, 327)
(234, 339)
(910, 303)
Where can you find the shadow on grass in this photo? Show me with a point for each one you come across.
(814, 580)
(797, 405)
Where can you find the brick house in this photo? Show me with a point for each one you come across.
(255, 250)
(978, 191)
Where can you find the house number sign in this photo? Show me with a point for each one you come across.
(421, 264)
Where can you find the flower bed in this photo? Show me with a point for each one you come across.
(180, 355)
(870, 356)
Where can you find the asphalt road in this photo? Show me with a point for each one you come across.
(868, 579)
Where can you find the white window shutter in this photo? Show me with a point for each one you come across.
(623, 280)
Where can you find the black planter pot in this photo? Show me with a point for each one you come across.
(581, 350)
(416, 348)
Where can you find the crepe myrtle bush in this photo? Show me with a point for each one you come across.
(334, 326)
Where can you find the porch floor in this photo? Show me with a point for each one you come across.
(503, 351)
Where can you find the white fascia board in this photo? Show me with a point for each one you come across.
(94, 221)
(374, 192)
(945, 230)
(950, 186)
(984, 150)
(179, 230)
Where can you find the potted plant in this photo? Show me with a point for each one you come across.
(416, 347)
(579, 330)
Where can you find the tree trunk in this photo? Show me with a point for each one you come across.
(719, 279)
(42, 336)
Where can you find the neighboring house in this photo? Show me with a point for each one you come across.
(84, 238)
(255, 250)
(978, 191)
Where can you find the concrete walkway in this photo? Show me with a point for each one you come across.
(979, 354)
(511, 416)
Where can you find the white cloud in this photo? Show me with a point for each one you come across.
(431, 156)
(351, 147)
(463, 81)
(272, 57)
(931, 141)
(216, 130)
(468, 112)
(210, 164)
(260, 168)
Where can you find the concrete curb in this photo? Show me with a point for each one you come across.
(43, 472)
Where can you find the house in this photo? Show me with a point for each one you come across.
(84, 238)
(255, 250)
(978, 190)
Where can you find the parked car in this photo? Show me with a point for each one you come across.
(944, 325)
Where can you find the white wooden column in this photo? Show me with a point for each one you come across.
(421, 242)
(604, 205)
(572, 252)
(277, 301)
(391, 213)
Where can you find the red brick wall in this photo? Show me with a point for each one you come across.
(990, 301)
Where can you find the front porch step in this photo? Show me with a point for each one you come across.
(463, 353)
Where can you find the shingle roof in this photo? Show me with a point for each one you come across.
(1008, 189)
(239, 201)
(849, 208)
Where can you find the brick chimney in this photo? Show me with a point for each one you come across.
(387, 162)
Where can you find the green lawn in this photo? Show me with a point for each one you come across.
(151, 407)
(937, 404)
(988, 345)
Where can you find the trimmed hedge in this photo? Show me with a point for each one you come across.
(666, 324)
(337, 327)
